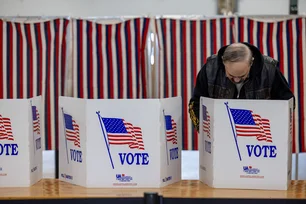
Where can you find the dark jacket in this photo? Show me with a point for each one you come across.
(265, 82)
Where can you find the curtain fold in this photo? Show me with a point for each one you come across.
(33, 57)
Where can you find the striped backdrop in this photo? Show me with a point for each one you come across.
(109, 59)
(32, 63)
(184, 46)
(283, 40)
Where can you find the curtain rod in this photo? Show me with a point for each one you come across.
(271, 16)
(156, 16)
(75, 17)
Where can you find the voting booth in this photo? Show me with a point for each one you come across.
(20, 142)
(245, 144)
(120, 143)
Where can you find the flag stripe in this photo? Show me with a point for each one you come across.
(120, 132)
(64, 54)
(29, 59)
(145, 33)
(39, 57)
(79, 57)
(56, 78)
(184, 77)
(193, 63)
(19, 56)
(136, 41)
(9, 60)
(100, 61)
(120, 83)
(300, 69)
(47, 67)
(90, 61)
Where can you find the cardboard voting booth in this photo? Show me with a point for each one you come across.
(120, 143)
(245, 144)
(20, 142)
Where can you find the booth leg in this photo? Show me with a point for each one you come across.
(56, 160)
(151, 198)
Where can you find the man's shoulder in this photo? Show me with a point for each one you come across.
(211, 67)
(270, 61)
(270, 67)
(212, 61)
(211, 58)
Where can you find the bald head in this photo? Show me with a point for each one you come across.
(237, 59)
(237, 52)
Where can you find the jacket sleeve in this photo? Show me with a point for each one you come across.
(200, 89)
(280, 88)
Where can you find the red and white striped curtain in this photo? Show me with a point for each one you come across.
(283, 40)
(184, 46)
(109, 59)
(32, 63)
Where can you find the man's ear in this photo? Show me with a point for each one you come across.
(252, 61)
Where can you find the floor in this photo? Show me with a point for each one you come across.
(190, 166)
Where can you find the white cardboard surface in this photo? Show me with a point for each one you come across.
(20, 142)
(245, 144)
(122, 142)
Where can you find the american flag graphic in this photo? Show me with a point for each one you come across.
(283, 40)
(109, 59)
(120, 132)
(36, 120)
(32, 63)
(248, 124)
(6, 129)
(184, 46)
(206, 121)
(72, 130)
(171, 129)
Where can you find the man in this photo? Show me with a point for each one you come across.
(238, 71)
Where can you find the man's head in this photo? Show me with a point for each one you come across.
(237, 59)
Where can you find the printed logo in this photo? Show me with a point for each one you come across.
(246, 123)
(117, 131)
(66, 176)
(250, 170)
(72, 134)
(34, 169)
(171, 137)
(169, 178)
(123, 178)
